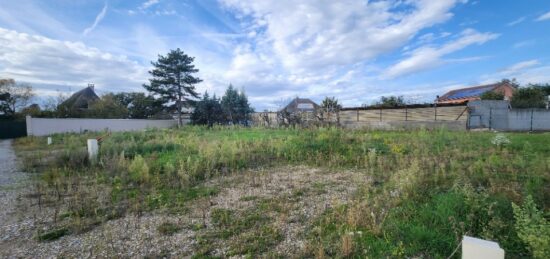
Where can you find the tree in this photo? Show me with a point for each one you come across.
(106, 108)
(173, 81)
(391, 101)
(139, 105)
(528, 97)
(490, 95)
(330, 104)
(208, 111)
(235, 106)
(514, 83)
(13, 96)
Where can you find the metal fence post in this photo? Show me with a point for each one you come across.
(435, 116)
(406, 114)
(380, 114)
(357, 114)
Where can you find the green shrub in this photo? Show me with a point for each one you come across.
(139, 171)
(533, 228)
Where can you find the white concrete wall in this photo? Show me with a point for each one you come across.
(44, 127)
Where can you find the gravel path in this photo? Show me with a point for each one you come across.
(11, 180)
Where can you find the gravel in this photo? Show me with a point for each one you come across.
(137, 236)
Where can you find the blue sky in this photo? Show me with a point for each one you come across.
(354, 50)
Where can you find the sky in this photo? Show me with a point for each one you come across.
(354, 50)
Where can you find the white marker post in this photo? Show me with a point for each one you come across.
(475, 248)
(49, 141)
(93, 149)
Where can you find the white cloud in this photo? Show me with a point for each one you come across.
(429, 57)
(40, 60)
(525, 72)
(518, 67)
(97, 20)
(544, 17)
(315, 34)
(525, 43)
(517, 21)
(322, 47)
(148, 4)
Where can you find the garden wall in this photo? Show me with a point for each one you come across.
(44, 127)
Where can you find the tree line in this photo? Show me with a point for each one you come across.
(171, 89)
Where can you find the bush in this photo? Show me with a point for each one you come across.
(528, 97)
(533, 228)
(139, 171)
(490, 95)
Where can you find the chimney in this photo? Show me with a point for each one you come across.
(91, 86)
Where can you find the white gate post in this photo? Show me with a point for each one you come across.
(49, 140)
(92, 150)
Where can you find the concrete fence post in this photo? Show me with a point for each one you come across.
(28, 122)
(93, 150)
(49, 140)
(532, 111)
(490, 118)
(357, 114)
(475, 248)
(380, 114)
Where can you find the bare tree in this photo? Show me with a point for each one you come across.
(13, 96)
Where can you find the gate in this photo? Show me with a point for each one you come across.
(12, 129)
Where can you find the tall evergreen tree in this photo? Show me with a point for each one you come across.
(230, 104)
(208, 111)
(174, 81)
(235, 106)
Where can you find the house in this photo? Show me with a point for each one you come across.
(82, 99)
(301, 105)
(464, 95)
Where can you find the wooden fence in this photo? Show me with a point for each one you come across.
(446, 113)
(352, 115)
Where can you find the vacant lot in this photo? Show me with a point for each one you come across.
(224, 192)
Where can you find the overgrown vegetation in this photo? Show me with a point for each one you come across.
(427, 188)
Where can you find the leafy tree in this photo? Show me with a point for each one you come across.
(331, 104)
(13, 96)
(31, 110)
(490, 95)
(106, 108)
(529, 97)
(139, 105)
(391, 101)
(235, 106)
(174, 81)
(208, 111)
(545, 88)
(514, 83)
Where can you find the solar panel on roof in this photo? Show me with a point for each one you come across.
(470, 92)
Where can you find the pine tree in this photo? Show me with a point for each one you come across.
(235, 106)
(173, 80)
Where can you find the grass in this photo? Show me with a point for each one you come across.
(429, 188)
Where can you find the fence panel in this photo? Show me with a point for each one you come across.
(12, 129)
